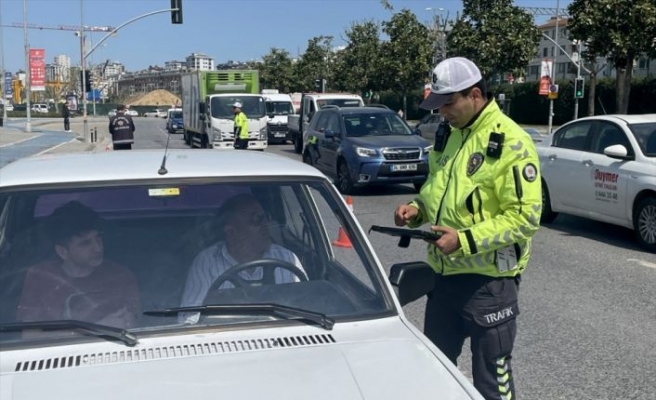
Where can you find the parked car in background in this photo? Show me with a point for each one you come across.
(157, 113)
(8, 106)
(334, 328)
(359, 146)
(132, 113)
(603, 168)
(428, 125)
(112, 113)
(40, 108)
(174, 120)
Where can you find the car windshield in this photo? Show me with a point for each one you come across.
(279, 107)
(645, 134)
(176, 114)
(252, 106)
(375, 124)
(105, 255)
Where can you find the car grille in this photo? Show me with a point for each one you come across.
(278, 128)
(401, 153)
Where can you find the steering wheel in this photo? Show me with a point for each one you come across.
(232, 274)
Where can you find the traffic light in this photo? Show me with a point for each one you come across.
(579, 88)
(87, 80)
(176, 15)
(319, 85)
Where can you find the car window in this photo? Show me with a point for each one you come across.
(333, 124)
(574, 136)
(156, 245)
(645, 134)
(321, 122)
(609, 134)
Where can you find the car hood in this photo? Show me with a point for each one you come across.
(390, 141)
(308, 364)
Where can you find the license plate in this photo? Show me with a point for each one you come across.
(404, 167)
(280, 135)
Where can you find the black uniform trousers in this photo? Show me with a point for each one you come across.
(241, 144)
(67, 124)
(122, 146)
(484, 309)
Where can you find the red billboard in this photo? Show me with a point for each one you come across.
(37, 70)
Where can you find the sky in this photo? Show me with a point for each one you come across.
(238, 30)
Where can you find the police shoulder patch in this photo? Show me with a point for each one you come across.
(474, 163)
(530, 172)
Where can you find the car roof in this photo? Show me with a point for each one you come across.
(119, 166)
(627, 118)
(358, 110)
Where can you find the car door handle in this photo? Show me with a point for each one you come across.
(587, 163)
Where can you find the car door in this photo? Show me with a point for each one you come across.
(315, 135)
(607, 187)
(330, 145)
(429, 128)
(562, 169)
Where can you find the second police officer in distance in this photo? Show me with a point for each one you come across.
(483, 194)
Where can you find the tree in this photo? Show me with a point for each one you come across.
(276, 70)
(358, 64)
(619, 29)
(406, 58)
(496, 35)
(314, 64)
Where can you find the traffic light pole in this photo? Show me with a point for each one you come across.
(578, 76)
(85, 55)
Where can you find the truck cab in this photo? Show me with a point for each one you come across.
(310, 104)
(219, 117)
(278, 107)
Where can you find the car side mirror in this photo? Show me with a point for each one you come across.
(617, 151)
(412, 280)
(201, 107)
(202, 117)
(271, 115)
(416, 131)
(330, 134)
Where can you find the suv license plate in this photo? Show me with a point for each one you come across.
(404, 167)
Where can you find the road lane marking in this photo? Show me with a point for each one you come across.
(54, 147)
(643, 263)
(19, 141)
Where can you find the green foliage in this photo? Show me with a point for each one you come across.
(406, 64)
(359, 63)
(315, 63)
(496, 35)
(276, 70)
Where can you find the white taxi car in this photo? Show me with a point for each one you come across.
(157, 113)
(603, 168)
(124, 283)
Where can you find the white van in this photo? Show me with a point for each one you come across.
(278, 107)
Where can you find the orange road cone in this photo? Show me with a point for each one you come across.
(342, 238)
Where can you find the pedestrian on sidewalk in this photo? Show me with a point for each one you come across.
(66, 113)
(121, 127)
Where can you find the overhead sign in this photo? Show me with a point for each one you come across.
(8, 89)
(37, 70)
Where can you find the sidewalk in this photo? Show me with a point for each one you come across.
(12, 135)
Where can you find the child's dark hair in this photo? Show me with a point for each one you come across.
(69, 220)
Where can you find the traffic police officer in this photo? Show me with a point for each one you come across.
(240, 127)
(121, 127)
(483, 196)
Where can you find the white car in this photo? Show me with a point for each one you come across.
(335, 331)
(40, 108)
(132, 113)
(157, 113)
(603, 168)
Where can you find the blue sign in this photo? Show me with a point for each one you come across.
(94, 95)
(8, 89)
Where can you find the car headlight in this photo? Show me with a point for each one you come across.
(174, 126)
(216, 135)
(365, 152)
(263, 133)
(428, 149)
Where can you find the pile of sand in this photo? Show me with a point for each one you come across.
(158, 97)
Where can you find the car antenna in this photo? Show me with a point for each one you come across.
(162, 169)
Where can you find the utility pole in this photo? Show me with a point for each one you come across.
(578, 77)
(2, 72)
(85, 122)
(28, 78)
(553, 67)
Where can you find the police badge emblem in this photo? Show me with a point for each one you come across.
(474, 163)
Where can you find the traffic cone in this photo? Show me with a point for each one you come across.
(342, 238)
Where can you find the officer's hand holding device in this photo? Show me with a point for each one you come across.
(406, 234)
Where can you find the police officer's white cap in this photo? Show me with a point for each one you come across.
(237, 104)
(449, 77)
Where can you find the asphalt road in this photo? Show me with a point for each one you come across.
(587, 328)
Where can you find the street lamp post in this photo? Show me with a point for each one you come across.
(578, 76)
(552, 75)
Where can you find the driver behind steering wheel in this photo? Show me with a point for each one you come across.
(247, 238)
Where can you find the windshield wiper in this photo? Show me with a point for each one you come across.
(67, 324)
(272, 309)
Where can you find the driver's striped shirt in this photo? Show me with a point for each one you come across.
(210, 263)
